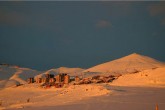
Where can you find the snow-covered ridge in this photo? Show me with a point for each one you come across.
(129, 64)
(70, 71)
(13, 75)
(134, 63)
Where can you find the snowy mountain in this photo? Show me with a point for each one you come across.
(129, 64)
(70, 71)
(12, 75)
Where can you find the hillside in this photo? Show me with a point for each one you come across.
(6, 71)
(13, 75)
(151, 77)
(129, 64)
(70, 71)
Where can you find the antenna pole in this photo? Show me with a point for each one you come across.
(156, 107)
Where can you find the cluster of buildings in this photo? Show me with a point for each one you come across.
(51, 80)
(59, 80)
(95, 79)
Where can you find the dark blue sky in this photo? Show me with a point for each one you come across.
(43, 35)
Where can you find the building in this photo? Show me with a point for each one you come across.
(52, 80)
(66, 79)
(58, 78)
(49, 76)
(77, 79)
(38, 80)
(30, 80)
(45, 80)
(62, 78)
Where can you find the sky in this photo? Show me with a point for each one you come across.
(44, 35)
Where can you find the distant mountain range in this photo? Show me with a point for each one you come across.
(11, 75)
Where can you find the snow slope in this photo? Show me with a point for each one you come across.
(129, 64)
(7, 71)
(14, 75)
(151, 77)
(70, 71)
(14, 98)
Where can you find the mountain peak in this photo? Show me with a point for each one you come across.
(134, 55)
(127, 64)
